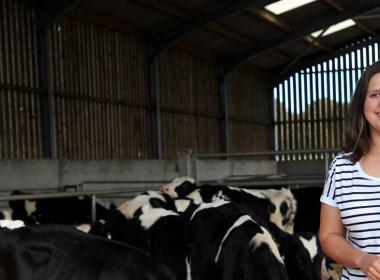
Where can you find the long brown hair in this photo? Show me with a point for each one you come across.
(357, 129)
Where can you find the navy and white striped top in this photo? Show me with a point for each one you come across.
(357, 195)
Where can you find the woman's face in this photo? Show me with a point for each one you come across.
(372, 104)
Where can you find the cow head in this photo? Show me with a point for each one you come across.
(153, 198)
(285, 208)
(180, 187)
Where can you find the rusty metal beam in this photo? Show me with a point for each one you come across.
(339, 7)
(234, 61)
(169, 36)
(277, 22)
(172, 10)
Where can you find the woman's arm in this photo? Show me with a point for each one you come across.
(332, 237)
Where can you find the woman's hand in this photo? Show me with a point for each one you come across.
(370, 265)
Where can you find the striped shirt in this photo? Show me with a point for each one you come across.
(357, 195)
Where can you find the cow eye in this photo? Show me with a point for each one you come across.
(284, 208)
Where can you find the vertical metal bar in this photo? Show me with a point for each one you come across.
(321, 109)
(353, 70)
(343, 87)
(325, 101)
(326, 104)
(335, 82)
(302, 86)
(340, 93)
(93, 208)
(349, 78)
(309, 131)
(362, 60)
(333, 102)
(155, 106)
(370, 54)
(277, 124)
(81, 135)
(290, 117)
(286, 118)
(359, 58)
(17, 78)
(314, 111)
(375, 52)
(3, 146)
(46, 98)
(319, 135)
(8, 147)
(195, 163)
(282, 119)
(294, 114)
(365, 57)
(223, 101)
(25, 104)
(110, 90)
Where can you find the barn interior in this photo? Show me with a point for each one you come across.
(121, 92)
(111, 98)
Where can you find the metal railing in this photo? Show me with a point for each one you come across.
(193, 162)
(154, 185)
(93, 194)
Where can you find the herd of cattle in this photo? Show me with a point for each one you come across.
(184, 232)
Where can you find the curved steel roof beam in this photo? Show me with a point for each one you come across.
(238, 59)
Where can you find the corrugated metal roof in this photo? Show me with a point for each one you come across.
(245, 32)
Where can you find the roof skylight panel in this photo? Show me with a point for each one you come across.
(283, 6)
(335, 28)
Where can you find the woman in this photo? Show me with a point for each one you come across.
(350, 211)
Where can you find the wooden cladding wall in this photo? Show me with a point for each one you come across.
(249, 108)
(190, 104)
(100, 88)
(19, 89)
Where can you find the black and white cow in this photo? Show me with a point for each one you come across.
(118, 227)
(154, 198)
(226, 243)
(309, 206)
(165, 229)
(66, 211)
(62, 253)
(301, 252)
(280, 205)
(180, 187)
(158, 231)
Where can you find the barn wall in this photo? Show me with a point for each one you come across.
(190, 105)
(249, 103)
(19, 88)
(99, 83)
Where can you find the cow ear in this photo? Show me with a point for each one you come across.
(187, 187)
(271, 206)
(137, 213)
(157, 203)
